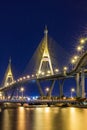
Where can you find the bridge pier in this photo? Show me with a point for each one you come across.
(61, 83)
(83, 83)
(5, 94)
(12, 93)
(40, 89)
(78, 85)
(51, 88)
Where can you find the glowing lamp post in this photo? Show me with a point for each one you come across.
(56, 70)
(22, 91)
(72, 90)
(65, 70)
(80, 49)
(82, 40)
(74, 60)
(47, 90)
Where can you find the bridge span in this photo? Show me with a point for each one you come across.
(78, 73)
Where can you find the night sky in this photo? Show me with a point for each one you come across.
(22, 25)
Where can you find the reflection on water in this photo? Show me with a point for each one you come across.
(45, 118)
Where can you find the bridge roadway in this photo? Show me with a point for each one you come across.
(21, 81)
(40, 102)
(26, 80)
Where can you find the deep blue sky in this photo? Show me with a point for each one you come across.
(22, 24)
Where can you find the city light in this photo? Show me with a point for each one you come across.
(22, 90)
(24, 77)
(79, 48)
(20, 79)
(32, 75)
(56, 70)
(75, 57)
(42, 73)
(65, 68)
(28, 76)
(48, 72)
(47, 89)
(39, 72)
(73, 61)
(72, 90)
(82, 40)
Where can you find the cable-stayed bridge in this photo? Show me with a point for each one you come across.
(45, 66)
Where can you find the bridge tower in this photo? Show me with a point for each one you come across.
(46, 55)
(8, 77)
(45, 65)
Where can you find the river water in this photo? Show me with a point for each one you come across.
(45, 118)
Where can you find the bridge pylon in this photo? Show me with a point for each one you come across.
(8, 77)
(80, 82)
(46, 59)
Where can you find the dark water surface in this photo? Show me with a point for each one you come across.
(43, 119)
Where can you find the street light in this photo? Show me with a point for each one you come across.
(72, 90)
(43, 73)
(74, 60)
(22, 90)
(80, 49)
(56, 70)
(82, 40)
(47, 90)
(48, 71)
(76, 57)
(65, 69)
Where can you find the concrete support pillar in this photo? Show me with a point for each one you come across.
(61, 83)
(12, 93)
(83, 82)
(6, 94)
(51, 88)
(78, 85)
(40, 89)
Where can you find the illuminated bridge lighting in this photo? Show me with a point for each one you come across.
(20, 79)
(79, 48)
(24, 77)
(43, 73)
(32, 75)
(82, 40)
(56, 70)
(49, 72)
(74, 59)
(65, 68)
(28, 76)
